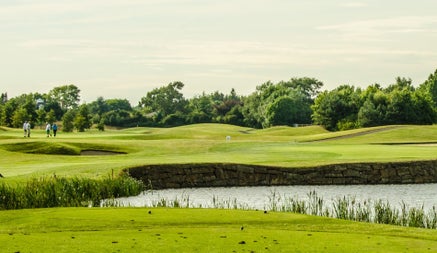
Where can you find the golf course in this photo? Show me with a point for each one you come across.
(99, 155)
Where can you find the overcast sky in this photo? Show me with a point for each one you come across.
(125, 48)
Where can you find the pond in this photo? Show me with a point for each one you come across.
(266, 198)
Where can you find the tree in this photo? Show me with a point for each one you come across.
(99, 106)
(400, 109)
(41, 116)
(101, 125)
(50, 104)
(234, 116)
(50, 116)
(288, 110)
(165, 100)
(80, 123)
(374, 108)
(117, 118)
(410, 107)
(8, 112)
(175, 119)
(68, 121)
(97, 109)
(67, 96)
(113, 112)
(369, 115)
(252, 111)
(430, 87)
(2, 109)
(424, 104)
(19, 108)
(338, 108)
(280, 112)
(118, 104)
(258, 109)
(402, 83)
(227, 108)
(201, 109)
(82, 120)
(19, 117)
(308, 86)
(4, 98)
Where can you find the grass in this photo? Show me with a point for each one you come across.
(198, 230)
(22, 158)
(67, 192)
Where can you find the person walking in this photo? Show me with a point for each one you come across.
(25, 128)
(48, 128)
(28, 126)
(55, 129)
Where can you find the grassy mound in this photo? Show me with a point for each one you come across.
(59, 148)
(39, 147)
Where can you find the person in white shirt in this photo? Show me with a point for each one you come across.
(25, 128)
(48, 127)
(28, 128)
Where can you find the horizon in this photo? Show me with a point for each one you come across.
(119, 49)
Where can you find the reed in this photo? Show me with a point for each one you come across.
(431, 218)
(346, 207)
(66, 192)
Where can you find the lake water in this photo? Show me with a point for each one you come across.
(262, 198)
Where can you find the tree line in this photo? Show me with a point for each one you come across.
(298, 101)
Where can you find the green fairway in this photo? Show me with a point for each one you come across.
(21, 158)
(198, 230)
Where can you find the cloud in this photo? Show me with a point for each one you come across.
(377, 27)
(256, 54)
(354, 5)
(66, 49)
(70, 12)
(213, 54)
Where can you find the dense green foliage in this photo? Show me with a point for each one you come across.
(284, 103)
(347, 107)
(298, 101)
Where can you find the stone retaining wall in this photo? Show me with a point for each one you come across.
(223, 174)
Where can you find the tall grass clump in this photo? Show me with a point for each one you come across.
(379, 211)
(431, 218)
(312, 206)
(386, 214)
(66, 192)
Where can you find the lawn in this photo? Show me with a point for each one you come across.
(21, 158)
(201, 230)
(198, 230)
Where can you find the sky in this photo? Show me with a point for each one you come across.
(126, 48)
